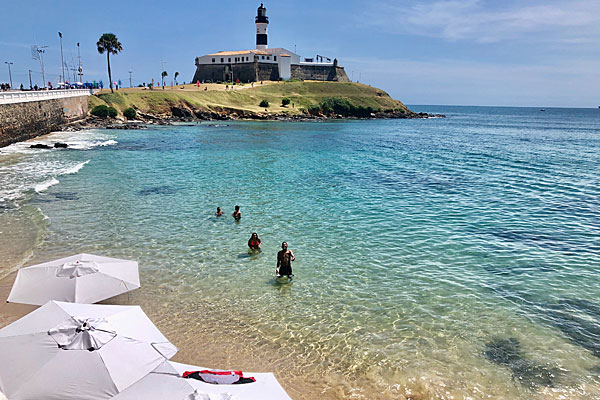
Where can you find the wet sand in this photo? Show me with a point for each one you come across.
(10, 312)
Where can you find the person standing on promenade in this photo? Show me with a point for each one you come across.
(284, 261)
(236, 213)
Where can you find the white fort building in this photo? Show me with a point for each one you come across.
(264, 64)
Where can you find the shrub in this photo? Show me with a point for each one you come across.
(285, 101)
(264, 104)
(340, 106)
(100, 111)
(314, 109)
(129, 113)
(112, 112)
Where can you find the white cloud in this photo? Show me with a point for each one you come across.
(476, 20)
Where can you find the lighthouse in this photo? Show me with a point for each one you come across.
(262, 21)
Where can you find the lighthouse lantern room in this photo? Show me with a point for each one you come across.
(262, 21)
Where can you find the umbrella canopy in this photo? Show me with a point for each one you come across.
(79, 351)
(166, 382)
(83, 278)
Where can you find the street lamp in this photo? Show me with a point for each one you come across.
(62, 59)
(9, 73)
(80, 70)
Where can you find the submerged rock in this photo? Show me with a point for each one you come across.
(127, 125)
(59, 145)
(39, 146)
(507, 352)
(157, 190)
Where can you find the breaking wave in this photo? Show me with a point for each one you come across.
(74, 169)
(42, 187)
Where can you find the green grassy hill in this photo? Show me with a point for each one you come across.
(246, 99)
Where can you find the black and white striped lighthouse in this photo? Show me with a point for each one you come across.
(261, 28)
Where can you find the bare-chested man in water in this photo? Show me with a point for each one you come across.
(284, 261)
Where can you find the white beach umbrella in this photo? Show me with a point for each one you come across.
(166, 382)
(79, 351)
(83, 278)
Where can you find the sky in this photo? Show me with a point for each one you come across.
(453, 52)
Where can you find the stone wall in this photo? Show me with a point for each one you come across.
(22, 121)
(245, 72)
(223, 72)
(267, 72)
(319, 73)
(254, 72)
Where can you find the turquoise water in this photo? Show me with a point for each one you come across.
(434, 258)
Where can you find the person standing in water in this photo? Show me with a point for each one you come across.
(284, 261)
(219, 212)
(236, 213)
(254, 242)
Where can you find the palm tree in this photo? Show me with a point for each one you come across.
(176, 75)
(163, 75)
(109, 43)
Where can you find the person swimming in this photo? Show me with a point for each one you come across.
(254, 242)
(284, 261)
(236, 213)
(219, 212)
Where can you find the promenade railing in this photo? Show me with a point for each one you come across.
(25, 96)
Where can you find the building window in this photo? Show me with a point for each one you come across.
(213, 60)
(246, 58)
(229, 59)
(274, 58)
(263, 57)
(222, 59)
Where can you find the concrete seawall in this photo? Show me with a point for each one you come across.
(24, 117)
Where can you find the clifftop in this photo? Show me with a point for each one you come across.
(213, 101)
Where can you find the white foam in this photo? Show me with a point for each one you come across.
(81, 140)
(44, 216)
(41, 187)
(74, 169)
(86, 145)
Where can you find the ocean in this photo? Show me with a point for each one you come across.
(435, 258)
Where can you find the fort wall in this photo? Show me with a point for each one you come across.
(257, 71)
(319, 73)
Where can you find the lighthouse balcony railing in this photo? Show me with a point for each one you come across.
(261, 18)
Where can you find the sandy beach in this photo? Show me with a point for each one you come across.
(10, 312)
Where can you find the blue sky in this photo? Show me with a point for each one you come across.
(465, 52)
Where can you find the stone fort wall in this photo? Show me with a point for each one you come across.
(319, 73)
(255, 72)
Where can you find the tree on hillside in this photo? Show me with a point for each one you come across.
(176, 75)
(109, 44)
(163, 75)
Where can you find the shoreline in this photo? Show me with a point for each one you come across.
(142, 120)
